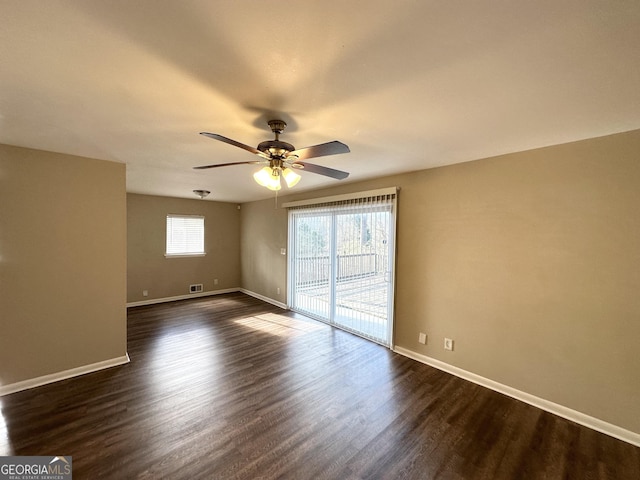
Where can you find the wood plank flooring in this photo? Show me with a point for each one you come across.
(229, 387)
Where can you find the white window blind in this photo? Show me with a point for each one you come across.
(185, 235)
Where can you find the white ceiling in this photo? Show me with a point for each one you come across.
(407, 84)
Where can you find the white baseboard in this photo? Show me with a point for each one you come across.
(56, 377)
(551, 407)
(265, 299)
(153, 301)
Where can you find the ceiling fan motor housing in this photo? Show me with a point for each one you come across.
(276, 148)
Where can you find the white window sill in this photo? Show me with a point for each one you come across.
(183, 255)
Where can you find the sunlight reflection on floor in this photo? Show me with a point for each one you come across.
(280, 325)
(171, 370)
(5, 442)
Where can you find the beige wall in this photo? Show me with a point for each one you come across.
(529, 261)
(148, 268)
(62, 263)
(264, 268)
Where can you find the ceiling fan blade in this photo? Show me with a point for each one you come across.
(256, 162)
(321, 150)
(326, 171)
(215, 136)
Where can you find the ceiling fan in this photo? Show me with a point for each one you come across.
(282, 158)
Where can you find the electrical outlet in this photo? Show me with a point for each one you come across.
(145, 293)
(448, 344)
(422, 338)
(215, 281)
(283, 251)
(278, 290)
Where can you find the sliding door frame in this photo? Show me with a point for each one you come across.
(390, 192)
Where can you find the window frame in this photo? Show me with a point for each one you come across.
(200, 230)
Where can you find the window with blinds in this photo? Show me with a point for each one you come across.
(185, 235)
(341, 262)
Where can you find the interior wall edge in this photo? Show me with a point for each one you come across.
(573, 415)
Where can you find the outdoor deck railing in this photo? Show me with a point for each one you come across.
(315, 270)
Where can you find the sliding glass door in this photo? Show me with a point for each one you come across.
(311, 263)
(341, 264)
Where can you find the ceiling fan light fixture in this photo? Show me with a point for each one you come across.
(268, 177)
(262, 176)
(291, 177)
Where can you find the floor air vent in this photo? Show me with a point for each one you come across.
(195, 288)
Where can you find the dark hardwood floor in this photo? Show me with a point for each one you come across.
(230, 387)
